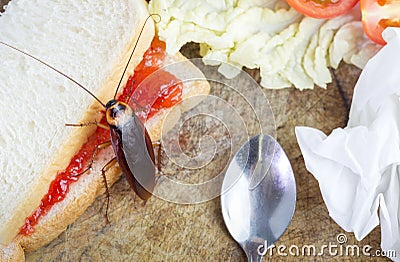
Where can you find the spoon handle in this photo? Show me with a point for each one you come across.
(254, 257)
(253, 251)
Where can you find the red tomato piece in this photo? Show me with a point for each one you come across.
(377, 15)
(322, 8)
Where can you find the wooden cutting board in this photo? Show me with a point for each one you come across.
(164, 231)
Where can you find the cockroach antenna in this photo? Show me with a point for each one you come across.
(133, 50)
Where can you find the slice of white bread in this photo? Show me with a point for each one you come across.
(91, 42)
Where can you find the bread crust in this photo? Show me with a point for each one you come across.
(81, 195)
(13, 252)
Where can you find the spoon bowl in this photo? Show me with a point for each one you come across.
(258, 195)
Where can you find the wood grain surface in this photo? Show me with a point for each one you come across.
(164, 231)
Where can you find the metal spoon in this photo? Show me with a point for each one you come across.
(258, 195)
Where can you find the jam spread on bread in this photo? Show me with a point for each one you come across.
(162, 91)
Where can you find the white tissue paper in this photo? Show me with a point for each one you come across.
(357, 167)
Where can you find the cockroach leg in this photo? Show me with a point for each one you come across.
(135, 200)
(89, 124)
(103, 126)
(159, 147)
(159, 173)
(98, 147)
(105, 168)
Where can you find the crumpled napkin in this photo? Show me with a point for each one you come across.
(357, 167)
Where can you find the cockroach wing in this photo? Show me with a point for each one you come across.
(135, 155)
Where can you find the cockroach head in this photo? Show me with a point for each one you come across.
(117, 113)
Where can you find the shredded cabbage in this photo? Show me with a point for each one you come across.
(288, 48)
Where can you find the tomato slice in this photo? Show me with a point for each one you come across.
(377, 15)
(322, 8)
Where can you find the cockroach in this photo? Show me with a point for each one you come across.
(129, 138)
